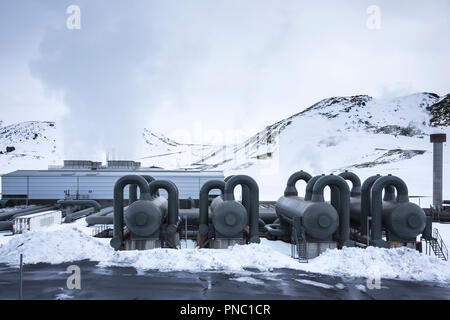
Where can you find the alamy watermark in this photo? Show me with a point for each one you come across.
(374, 19)
(73, 22)
(373, 278)
(74, 280)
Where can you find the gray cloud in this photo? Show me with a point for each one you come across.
(230, 64)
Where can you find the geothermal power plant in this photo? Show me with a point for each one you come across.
(146, 208)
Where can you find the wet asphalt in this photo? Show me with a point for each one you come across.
(47, 281)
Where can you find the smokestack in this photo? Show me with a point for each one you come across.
(438, 140)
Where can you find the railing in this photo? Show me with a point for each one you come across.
(298, 249)
(440, 242)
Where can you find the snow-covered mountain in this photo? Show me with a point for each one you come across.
(27, 145)
(357, 133)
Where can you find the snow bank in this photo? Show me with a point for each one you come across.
(400, 263)
(54, 245)
(67, 243)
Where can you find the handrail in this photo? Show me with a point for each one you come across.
(441, 243)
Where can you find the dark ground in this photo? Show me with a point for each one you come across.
(46, 281)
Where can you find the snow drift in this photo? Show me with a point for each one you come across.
(68, 243)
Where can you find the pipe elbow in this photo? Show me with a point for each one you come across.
(310, 186)
(291, 190)
(172, 191)
(253, 201)
(330, 180)
(396, 182)
(203, 201)
(355, 180)
(89, 203)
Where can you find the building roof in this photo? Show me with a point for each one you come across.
(106, 172)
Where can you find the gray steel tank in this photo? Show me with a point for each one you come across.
(144, 218)
(402, 220)
(229, 218)
(232, 222)
(319, 219)
(309, 222)
(149, 221)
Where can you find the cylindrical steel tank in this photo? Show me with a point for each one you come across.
(319, 219)
(117, 240)
(229, 218)
(250, 201)
(144, 217)
(405, 220)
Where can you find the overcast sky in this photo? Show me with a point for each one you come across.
(218, 65)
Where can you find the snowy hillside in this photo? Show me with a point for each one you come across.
(161, 151)
(27, 145)
(357, 133)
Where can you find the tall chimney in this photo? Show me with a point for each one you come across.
(438, 140)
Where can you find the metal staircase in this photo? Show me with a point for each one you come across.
(298, 247)
(437, 245)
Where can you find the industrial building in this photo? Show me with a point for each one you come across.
(79, 179)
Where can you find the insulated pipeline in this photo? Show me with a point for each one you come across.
(253, 201)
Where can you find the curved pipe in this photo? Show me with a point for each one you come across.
(365, 202)
(203, 203)
(172, 209)
(253, 201)
(132, 197)
(376, 205)
(88, 203)
(344, 202)
(356, 182)
(116, 241)
(389, 193)
(245, 194)
(310, 185)
(290, 185)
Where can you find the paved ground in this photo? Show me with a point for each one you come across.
(45, 281)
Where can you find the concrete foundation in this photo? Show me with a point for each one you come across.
(224, 243)
(142, 244)
(314, 249)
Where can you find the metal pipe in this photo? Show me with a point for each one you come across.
(376, 205)
(356, 182)
(6, 225)
(310, 186)
(389, 193)
(354, 192)
(88, 203)
(438, 141)
(132, 191)
(253, 201)
(107, 219)
(50, 207)
(79, 214)
(172, 191)
(116, 241)
(291, 190)
(12, 213)
(365, 202)
(104, 216)
(203, 203)
(245, 194)
(6, 203)
(344, 200)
